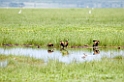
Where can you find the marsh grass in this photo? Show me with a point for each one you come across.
(28, 69)
(41, 26)
(119, 57)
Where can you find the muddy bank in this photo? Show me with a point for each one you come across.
(41, 46)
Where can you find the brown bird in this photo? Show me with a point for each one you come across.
(119, 47)
(63, 44)
(50, 44)
(95, 44)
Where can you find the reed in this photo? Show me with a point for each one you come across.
(41, 26)
(28, 69)
(119, 57)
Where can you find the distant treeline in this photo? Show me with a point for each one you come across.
(73, 3)
(16, 5)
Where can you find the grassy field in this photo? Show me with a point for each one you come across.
(41, 26)
(27, 69)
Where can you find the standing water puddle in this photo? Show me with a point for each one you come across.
(3, 63)
(80, 55)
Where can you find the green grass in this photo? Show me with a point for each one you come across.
(28, 69)
(41, 26)
(118, 57)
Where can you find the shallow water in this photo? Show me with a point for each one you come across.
(76, 55)
(3, 63)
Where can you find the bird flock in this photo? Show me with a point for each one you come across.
(64, 45)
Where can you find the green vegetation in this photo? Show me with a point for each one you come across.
(118, 57)
(27, 69)
(41, 26)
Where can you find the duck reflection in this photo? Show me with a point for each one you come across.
(50, 51)
(64, 52)
(95, 52)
